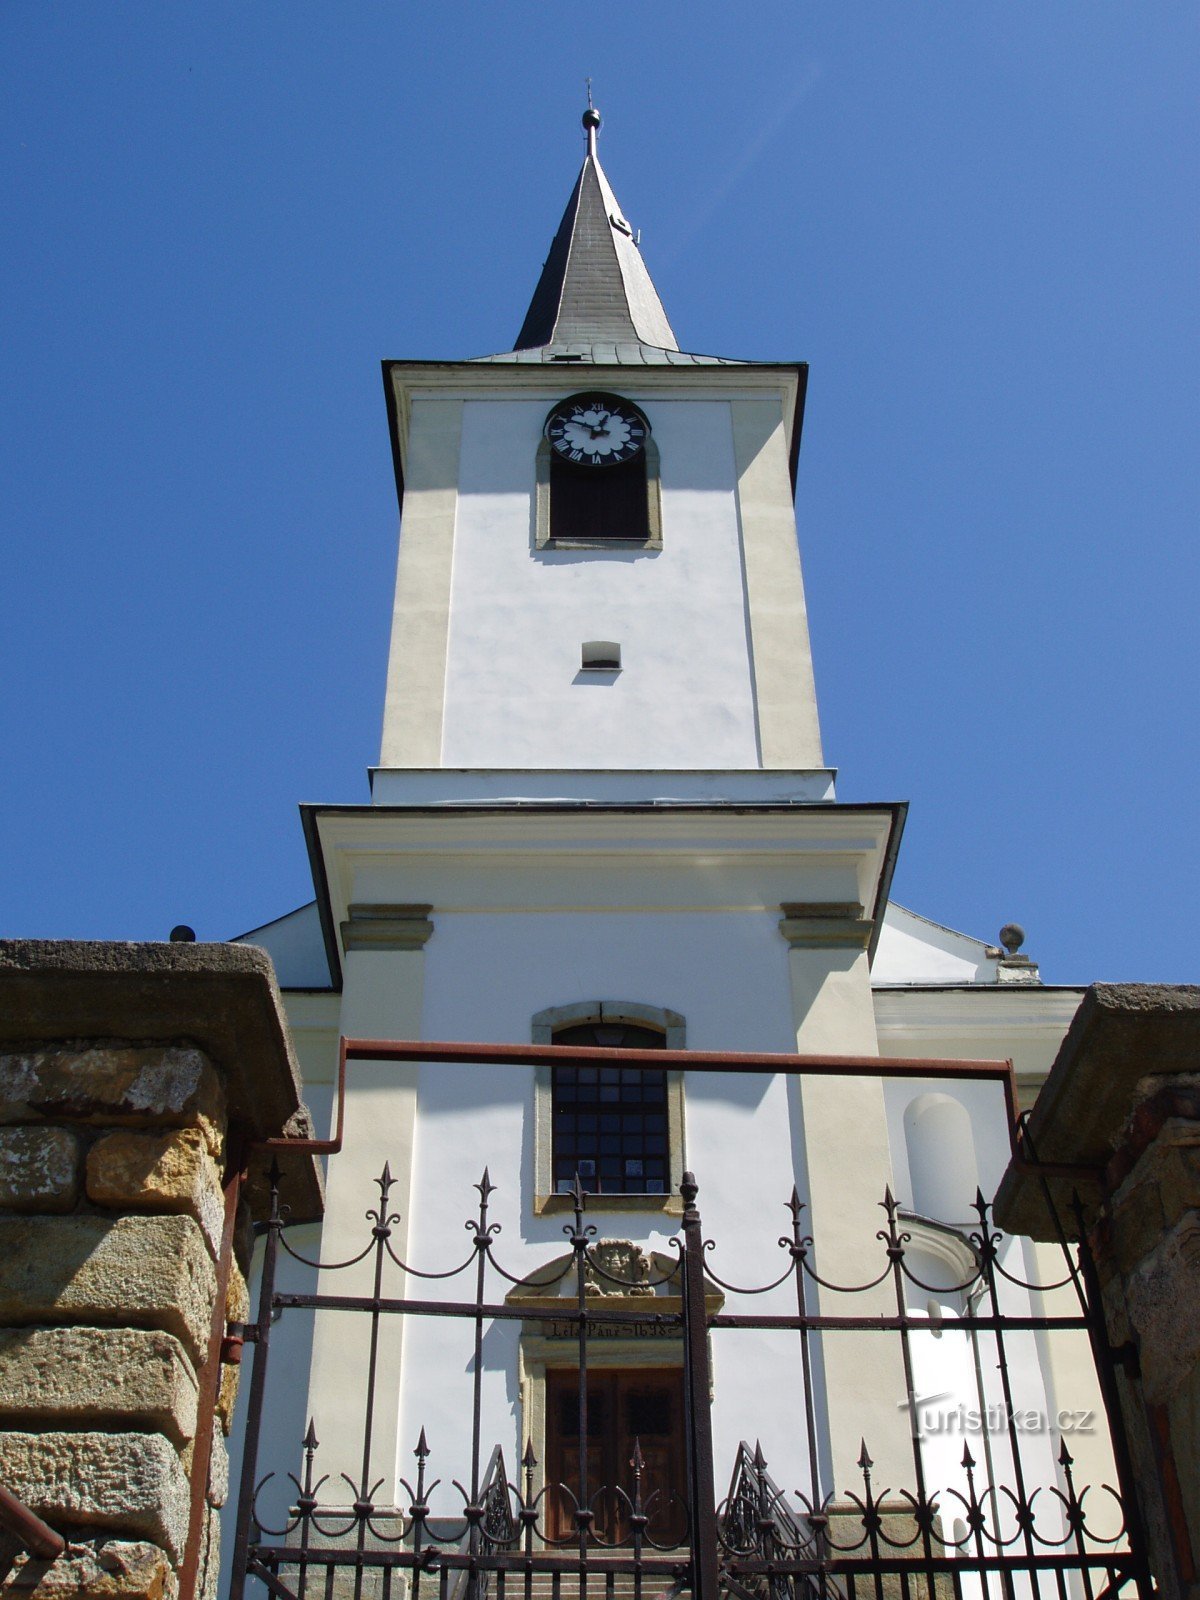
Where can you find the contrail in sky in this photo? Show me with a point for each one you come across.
(751, 152)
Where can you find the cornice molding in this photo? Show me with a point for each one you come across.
(387, 927)
(974, 1007)
(825, 925)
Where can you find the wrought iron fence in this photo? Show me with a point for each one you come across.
(528, 1537)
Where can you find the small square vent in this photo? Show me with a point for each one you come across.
(601, 655)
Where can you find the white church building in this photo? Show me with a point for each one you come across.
(603, 818)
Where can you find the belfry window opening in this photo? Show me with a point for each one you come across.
(598, 475)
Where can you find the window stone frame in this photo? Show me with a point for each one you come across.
(674, 1030)
(542, 537)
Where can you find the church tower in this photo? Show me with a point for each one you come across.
(602, 816)
(598, 569)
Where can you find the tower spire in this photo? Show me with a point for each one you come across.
(594, 287)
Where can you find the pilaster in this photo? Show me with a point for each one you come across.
(383, 994)
(784, 691)
(840, 1131)
(416, 686)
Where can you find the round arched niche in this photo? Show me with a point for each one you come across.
(942, 1168)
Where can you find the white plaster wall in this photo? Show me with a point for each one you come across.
(295, 944)
(518, 616)
(728, 975)
(914, 950)
(943, 1366)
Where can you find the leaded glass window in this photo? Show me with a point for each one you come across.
(610, 1122)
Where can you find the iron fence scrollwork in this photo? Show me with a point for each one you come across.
(527, 1536)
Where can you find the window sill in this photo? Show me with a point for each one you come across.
(670, 1205)
(600, 543)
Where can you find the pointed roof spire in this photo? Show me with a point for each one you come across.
(594, 287)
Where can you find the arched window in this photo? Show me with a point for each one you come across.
(598, 475)
(610, 1123)
(619, 1127)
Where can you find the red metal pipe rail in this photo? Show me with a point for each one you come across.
(550, 1055)
(35, 1535)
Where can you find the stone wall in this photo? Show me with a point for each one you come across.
(1146, 1243)
(122, 1252)
(1120, 1111)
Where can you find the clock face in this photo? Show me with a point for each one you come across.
(596, 430)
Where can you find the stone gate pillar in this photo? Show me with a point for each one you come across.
(133, 1079)
(1117, 1122)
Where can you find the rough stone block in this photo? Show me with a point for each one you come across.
(227, 1395)
(171, 1171)
(1184, 1422)
(150, 1272)
(1116, 1321)
(163, 1086)
(39, 1169)
(1175, 1159)
(63, 1377)
(1162, 1296)
(1137, 1220)
(218, 1471)
(132, 1483)
(113, 1570)
(237, 1300)
(208, 1571)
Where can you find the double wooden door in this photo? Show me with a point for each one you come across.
(624, 1406)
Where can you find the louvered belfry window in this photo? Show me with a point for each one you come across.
(599, 502)
(610, 1122)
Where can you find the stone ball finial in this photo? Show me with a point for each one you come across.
(1012, 937)
(591, 118)
(182, 934)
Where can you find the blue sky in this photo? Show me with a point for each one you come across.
(976, 222)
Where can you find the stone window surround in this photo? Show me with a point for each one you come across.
(542, 539)
(674, 1030)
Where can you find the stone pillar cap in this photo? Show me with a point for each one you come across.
(1122, 1033)
(220, 998)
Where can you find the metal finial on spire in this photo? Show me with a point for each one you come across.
(591, 122)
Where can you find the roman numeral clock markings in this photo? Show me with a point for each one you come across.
(596, 430)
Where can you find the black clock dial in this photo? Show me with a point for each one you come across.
(596, 430)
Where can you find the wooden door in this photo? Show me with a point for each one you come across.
(625, 1405)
